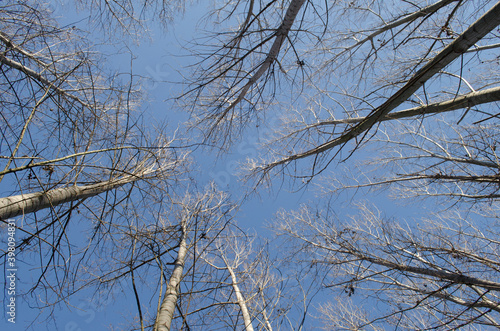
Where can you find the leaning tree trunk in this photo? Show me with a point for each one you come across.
(167, 309)
(465, 101)
(241, 300)
(29, 203)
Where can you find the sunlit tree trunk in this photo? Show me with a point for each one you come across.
(29, 203)
(167, 309)
(240, 298)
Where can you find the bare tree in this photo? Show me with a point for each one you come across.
(215, 277)
(75, 158)
(362, 64)
(431, 273)
(439, 274)
(252, 284)
(131, 19)
(231, 266)
(65, 121)
(201, 216)
(226, 284)
(155, 252)
(167, 309)
(101, 195)
(229, 82)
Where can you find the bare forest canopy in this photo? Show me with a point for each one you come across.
(381, 117)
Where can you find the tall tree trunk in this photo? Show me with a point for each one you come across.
(29, 203)
(241, 300)
(167, 309)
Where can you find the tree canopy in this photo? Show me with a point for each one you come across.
(379, 116)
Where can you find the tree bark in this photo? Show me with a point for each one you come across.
(167, 309)
(241, 300)
(452, 277)
(468, 100)
(29, 203)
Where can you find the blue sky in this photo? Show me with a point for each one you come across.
(158, 60)
(157, 63)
